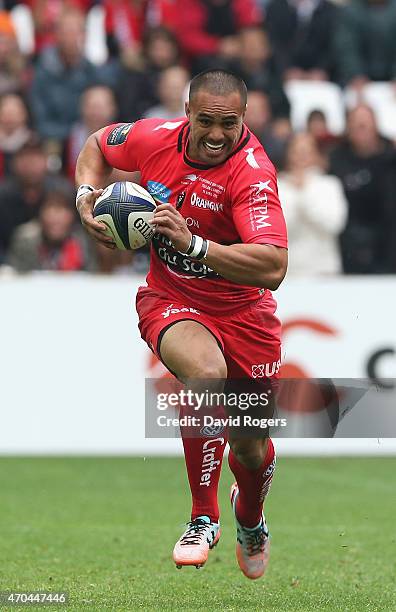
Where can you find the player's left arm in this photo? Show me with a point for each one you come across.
(255, 265)
(260, 260)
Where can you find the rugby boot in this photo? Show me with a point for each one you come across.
(253, 544)
(193, 546)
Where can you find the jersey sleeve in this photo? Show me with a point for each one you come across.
(256, 209)
(126, 145)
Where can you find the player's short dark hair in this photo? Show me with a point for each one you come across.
(218, 82)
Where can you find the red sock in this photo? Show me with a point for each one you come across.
(204, 456)
(253, 486)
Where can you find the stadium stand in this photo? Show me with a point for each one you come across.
(297, 57)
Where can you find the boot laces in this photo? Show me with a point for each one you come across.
(254, 541)
(195, 532)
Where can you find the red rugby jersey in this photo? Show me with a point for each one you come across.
(234, 202)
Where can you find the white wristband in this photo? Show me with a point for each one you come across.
(198, 248)
(82, 190)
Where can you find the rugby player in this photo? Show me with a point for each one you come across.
(207, 311)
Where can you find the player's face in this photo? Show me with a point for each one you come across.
(215, 126)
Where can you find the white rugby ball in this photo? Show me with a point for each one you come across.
(126, 209)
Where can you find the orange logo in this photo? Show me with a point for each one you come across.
(293, 370)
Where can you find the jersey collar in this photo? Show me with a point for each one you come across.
(182, 147)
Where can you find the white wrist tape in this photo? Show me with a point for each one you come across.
(82, 190)
(198, 248)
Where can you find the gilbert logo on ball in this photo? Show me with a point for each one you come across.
(126, 209)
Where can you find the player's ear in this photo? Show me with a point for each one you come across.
(187, 108)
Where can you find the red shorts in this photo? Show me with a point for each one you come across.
(249, 338)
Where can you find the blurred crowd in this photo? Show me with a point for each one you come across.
(69, 67)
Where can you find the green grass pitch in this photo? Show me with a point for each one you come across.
(104, 529)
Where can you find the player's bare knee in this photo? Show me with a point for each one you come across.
(249, 452)
(209, 369)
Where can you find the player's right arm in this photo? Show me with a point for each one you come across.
(92, 169)
(114, 146)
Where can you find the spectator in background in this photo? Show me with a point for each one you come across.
(318, 128)
(122, 262)
(98, 108)
(162, 13)
(365, 42)
(53, 241)
(46, 15)
(61, 76)
(137, 87)
(256, 66)
(22, 193)
(363, 163)
(208, 29)
(273, 135)
(14, 129)
(13, 70)
(315, 209)
(172, 87)
(124, 22)
(301, 33)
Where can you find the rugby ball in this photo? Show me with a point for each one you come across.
(126, 209)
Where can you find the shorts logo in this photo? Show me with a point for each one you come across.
(159, 191)
(119, 134)
(170, 310)
(266, 370)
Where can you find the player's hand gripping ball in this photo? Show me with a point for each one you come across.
(126, 209)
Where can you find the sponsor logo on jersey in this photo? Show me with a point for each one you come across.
(190, 222)
(199, 202)
(258, 188)
(209, 463)
(169, 310)
(179, 264)
(118, 135)
(209, 188)
(168, 125)
(251, 160)
(265, 370)
(159, 191)
(258, 205)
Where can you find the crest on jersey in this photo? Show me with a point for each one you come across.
(118, 135)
